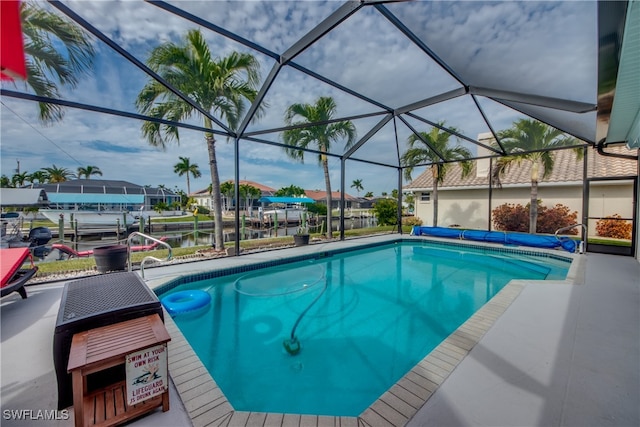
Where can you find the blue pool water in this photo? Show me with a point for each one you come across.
(362, 320)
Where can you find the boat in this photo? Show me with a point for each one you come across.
(285, 214)
(90, 218)
(11, 231)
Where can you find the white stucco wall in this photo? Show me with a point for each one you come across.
(470, 208)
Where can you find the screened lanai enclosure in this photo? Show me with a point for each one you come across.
(390, 69)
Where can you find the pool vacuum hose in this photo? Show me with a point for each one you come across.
(292, 345)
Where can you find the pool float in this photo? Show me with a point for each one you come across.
(185, 301)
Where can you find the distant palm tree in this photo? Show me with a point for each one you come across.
(88, 171)
(38, 177)
(319, 137)
(57, 174)
(369, 194)
(249, 193)
(184, 166)
(18, 179)
(58, 52)
(227, 191)
(419, 152)
(220, 85)
(5, 182)
(529, 135)
(357, 184)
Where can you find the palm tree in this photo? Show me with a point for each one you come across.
(529, 135)
(5, 182)
(227, 191)
(57, 174)
(249, 193)
(88, 171)
(184, 166)
(220, 85)
(357, 184)
(38, 177)
(421, 150)
(58, 52)
(319, 136)
(18, 179)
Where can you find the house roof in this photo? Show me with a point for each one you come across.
(23, 197)
(566, 169)
(102, 186)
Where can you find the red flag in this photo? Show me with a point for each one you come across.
(12, 61)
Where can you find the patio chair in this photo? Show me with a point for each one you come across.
(13, 276)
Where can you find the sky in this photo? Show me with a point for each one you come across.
(535, 48)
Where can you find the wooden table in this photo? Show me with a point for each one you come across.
(98, 349)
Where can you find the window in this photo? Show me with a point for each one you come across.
(425, 197)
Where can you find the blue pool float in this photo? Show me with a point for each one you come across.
(185, 301)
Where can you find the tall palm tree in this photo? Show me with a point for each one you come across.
(56, 174)
(220, 85)
(419, 152)
(529, 135)
(58, 52)
(357, 184)
(184, 166)
(319, 137)
(88, 171)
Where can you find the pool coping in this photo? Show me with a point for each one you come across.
(207, 405)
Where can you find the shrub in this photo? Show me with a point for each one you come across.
(510, 217)
(317, 208)
(411, 221)
(386, 211)
(203, 210)
(560, 216)
(614, 227)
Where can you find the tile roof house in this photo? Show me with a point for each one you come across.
(321, 196)
(468, 202)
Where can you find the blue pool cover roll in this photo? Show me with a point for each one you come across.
(505, 238)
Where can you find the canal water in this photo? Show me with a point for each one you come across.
(206, 237)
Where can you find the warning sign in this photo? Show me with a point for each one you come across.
(146, 374)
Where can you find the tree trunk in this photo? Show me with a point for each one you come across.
(533, 208)
(325, 167)
(188, 185)
(435, 196)
(533, 203)
(215, 192)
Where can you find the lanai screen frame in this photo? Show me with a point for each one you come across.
(386, 113)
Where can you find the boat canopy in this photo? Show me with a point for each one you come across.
(285, 200)
(23, 197)
(126, 199)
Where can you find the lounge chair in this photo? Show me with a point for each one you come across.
(13, 276)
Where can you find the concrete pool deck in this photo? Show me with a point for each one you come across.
(543, 353)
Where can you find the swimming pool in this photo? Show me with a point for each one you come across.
(362, 318)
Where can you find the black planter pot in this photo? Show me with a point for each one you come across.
(111, 258)
(301, 239)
